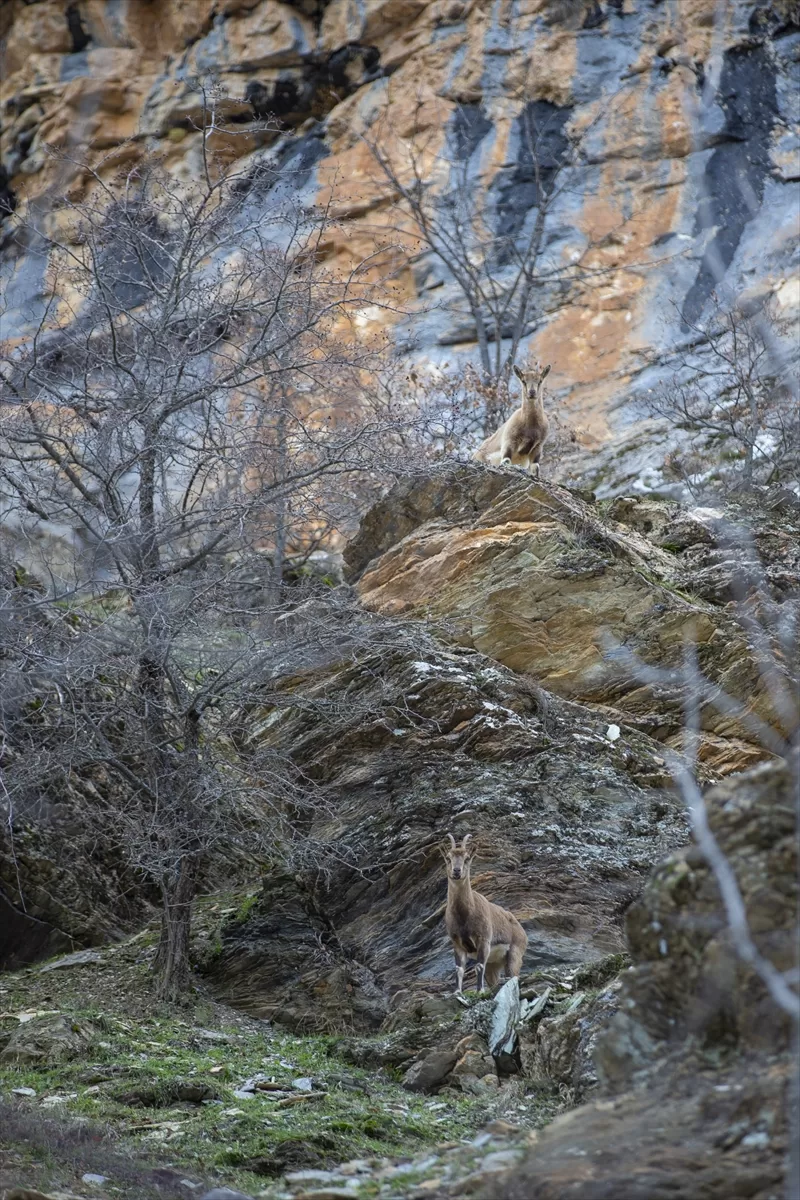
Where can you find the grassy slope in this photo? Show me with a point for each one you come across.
(244, 1143)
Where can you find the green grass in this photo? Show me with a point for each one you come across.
(362, 1115)
(127, 1083)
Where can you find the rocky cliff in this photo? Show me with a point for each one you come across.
(662, 211)
(499, 714)
(696, 1065)
(513, 722)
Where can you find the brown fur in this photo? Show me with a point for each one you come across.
(479, 929)
(520, 440)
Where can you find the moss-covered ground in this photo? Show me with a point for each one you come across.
(151, 1104)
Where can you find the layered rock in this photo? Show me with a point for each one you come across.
(536, 577)
(302, 84)
(60, 886)
(405, 745)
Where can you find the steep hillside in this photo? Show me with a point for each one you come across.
(321, 1050)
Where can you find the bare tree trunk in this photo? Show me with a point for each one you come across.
(750, 438)
(171, 965)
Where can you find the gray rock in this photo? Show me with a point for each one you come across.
(225, 1194)
(311, 1176)
(81, 958)
(48, 1039)
(505, 1018)
(500, 1160)
(430, 1072)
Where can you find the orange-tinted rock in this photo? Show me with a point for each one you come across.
(529, 575)
(115, 82)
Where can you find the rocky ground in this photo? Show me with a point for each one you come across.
(680, 1061)
(323, 1053)
(134, 1102)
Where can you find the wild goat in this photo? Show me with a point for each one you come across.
(490, 934)
(521, 438)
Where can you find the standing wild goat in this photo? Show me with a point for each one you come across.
(487, 932)
(520, 439)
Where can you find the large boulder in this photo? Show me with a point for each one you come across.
(533, 575)
(689, 980)
(406, 742)
(48, 1039)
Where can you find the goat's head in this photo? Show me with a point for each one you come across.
(458, 857)
(532, 379)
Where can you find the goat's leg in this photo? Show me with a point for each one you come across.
(461, 965)
(492, 974)
(484, 950)
(514, 959)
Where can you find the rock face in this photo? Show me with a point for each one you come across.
(60, 888)
(512, 725)
(688, 979)
(405, 745)
(539, 579)
(696, 1054)
(303, 82)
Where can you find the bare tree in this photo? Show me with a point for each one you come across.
(497, 245)
(444, 411)
(742, 418)
(186, 411)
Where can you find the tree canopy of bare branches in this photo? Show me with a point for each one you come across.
(498, 245)
(741, 415)
(184, 415)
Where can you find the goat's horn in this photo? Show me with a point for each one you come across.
(452, 840)
(467, 837)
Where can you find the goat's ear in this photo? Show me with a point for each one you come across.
(546, 371)
(519, 374)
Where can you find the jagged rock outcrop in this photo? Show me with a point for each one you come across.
(512, 725)
(696, 1054)
(540, 579)
(406, 744)
(61, 888)
(304, 82)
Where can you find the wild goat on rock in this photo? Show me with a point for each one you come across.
(521, 438)
(490, 934)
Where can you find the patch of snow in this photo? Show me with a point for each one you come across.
(613, 732)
